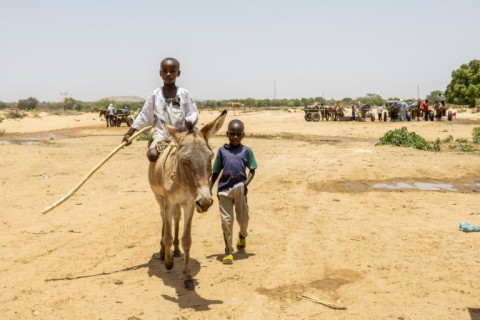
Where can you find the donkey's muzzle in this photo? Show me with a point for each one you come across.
(203, 203)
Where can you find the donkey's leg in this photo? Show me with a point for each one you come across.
(177, 212)
(161, 201)
(167, 238)
(187, 243)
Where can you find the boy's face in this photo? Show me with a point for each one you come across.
(235, 133)
(169, 71)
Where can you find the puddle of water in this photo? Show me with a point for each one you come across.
(427, 186)
(328, 284)
(20, 142)
(389, 185)
(434, 186)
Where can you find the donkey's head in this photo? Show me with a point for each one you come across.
(194, 164)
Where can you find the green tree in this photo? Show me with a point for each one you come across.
(372, 99)
(69, 103)
(102, 104)
(464, 88)
(3, 105)
(320, 100)
(27, 104)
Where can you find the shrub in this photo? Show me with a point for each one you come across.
(16, 115)
(466, 147)
(448, 139)
(476, 135)
(403, 138)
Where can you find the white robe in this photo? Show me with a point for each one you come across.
(157, 111)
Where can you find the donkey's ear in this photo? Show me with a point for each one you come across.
(213, 126)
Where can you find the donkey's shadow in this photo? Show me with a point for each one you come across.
(184, 298)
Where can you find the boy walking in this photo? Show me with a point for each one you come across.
(232, 160)
(168, 104)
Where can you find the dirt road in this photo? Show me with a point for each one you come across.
(371, 228)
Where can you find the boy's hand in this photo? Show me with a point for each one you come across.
(245, 189)
(125, 139)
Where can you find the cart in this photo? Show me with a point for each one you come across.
(311, 113)
(123, 115)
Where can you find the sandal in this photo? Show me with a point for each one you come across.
(227, 259)
(241, 245)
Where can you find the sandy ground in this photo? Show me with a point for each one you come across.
(325, 222)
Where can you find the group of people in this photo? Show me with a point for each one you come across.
(173, 105)
(403, 108)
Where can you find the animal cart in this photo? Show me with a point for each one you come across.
(123, 115)
(312, 113)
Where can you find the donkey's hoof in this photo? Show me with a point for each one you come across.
(176, 253)
(189, 284)
(169, 266)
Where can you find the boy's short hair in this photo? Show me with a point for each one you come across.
(170, 58)
(236, 122)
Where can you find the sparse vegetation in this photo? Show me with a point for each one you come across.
(15, 114)
(2, 132)
(462, 145)
(476, 135)
(402, 138)
(448, 139)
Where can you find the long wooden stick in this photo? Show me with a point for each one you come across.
(68, 195)
(312, 298)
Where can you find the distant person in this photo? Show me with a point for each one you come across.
(403, 110)
(353, 113)
(110, 114)
(166, 105)
(125, 110)
(442, 100)
(425, 110)
(379, 112)
(232, 160)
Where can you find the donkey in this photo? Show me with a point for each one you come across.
(111, 120)
(180, 179)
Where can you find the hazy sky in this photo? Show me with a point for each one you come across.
(234, 49)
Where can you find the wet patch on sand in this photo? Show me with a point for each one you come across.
(406, 185)
(21, 142)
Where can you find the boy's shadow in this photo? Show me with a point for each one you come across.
(174, 278)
